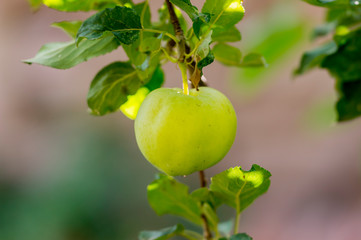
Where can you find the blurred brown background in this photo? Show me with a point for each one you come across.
(65, 174)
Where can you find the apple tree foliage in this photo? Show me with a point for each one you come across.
(340, 53)
(190, 37)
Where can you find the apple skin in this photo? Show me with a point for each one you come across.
(180, 134)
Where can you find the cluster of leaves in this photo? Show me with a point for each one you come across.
(148, 45)
(234, 187)
(340, 54)
(123, 85)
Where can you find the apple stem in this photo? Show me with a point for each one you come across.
(183, 69)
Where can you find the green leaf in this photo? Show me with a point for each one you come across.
(187, 7)
(123, 22)
(201, 25)
(323, 29)
(254, 60)
(330, 3)
(227, 54)
(203, 49)
(341, 56)
(72, 6)
(224, 13)
(349, 104)
(150, 44)
(165, 25)
(135, 56)
(201, 194)
(191, 235)
(231, 34)
(143, 10)
(71, 28)
(144, 54)
(66, 54)
(157, 79)
(345, 63)
(145, 71)
(238, 188)
(162, 234)
(131, 106)
(314, 57)
(111, 87)
(205, 195)
(206, 61)
(241, 236)
(211, 215)
(168, 196)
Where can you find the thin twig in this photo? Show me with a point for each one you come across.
(177, 30)
(202, 178)
(183, 47)
(206, 230)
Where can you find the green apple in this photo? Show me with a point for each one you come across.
(181, 134)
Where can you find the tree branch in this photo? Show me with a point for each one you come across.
(183, 47)
(178, 31)
(202, 178)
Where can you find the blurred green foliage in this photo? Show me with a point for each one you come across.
(277, 33)
(340, 55)
(91, 193)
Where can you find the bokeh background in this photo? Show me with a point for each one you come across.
(67, 175)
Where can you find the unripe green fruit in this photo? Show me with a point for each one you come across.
(181, 134)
